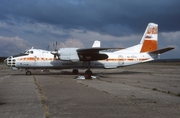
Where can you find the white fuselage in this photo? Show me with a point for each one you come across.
(42, 59)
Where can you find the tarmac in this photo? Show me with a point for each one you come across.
(150, 90)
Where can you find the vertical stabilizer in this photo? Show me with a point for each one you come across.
(149, 40)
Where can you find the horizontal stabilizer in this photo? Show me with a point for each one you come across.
(160, 51)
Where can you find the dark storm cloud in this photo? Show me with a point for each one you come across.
(117, 23)
(114, 17)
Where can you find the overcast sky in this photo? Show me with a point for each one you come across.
(77, 23)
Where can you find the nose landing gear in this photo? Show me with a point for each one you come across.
(28, 72)
(87, 74)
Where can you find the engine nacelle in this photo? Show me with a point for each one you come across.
(68, 54)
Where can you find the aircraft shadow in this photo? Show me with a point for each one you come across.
(80, 73)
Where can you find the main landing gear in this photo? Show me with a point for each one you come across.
(87, 73)
(75, 71)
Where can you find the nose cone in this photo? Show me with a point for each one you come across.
(10, 61)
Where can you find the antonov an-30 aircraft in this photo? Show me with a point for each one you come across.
(95, 57)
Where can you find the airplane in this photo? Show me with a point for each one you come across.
(89, 58)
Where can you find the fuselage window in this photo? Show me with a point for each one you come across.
(31, 52)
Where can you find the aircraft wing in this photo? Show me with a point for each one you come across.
(160, 51)
(92, 54)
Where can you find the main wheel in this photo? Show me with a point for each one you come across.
(88, 74)
(28, 72)
(75, 71)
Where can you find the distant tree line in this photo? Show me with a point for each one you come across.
(2, 59)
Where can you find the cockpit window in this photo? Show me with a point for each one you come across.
(21, 54)
(25, 52)
(28, 52)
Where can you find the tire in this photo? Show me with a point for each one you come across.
(88, 74)
(28, 72)
(75, 71)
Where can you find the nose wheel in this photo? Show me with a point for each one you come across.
(28, 72)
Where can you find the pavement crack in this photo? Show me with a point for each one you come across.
(43, 98)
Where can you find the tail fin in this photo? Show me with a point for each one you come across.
(149, 40)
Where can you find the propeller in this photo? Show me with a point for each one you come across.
(55, 52)
(47, 48)
(55, 45)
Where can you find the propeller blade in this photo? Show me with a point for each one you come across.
(56, 45)
(56, 54)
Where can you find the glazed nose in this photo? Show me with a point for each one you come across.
(10, 61)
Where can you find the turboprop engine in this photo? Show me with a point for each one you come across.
(66, 54)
